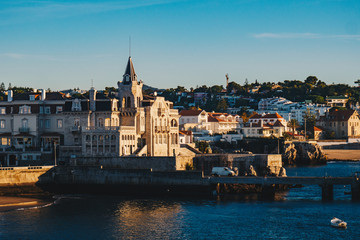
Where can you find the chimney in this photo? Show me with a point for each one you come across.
(92, 97)
(43, 94)
(10, 95)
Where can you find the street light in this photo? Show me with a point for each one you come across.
(54, 153)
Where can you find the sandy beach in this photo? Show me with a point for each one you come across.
(11, 203)
(343, 154)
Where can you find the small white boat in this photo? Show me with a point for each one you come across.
(338, 223)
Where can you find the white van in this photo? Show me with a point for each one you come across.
(222, 171)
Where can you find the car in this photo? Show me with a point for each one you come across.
(222, 171)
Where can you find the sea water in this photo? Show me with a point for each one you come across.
(299, 214)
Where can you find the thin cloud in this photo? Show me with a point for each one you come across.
(33, 10)
(304, 36)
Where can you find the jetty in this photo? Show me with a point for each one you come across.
(115, 180)
(268, 183)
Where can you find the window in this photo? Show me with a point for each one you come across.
(59, 123)
(41, 109)
(47, 110)
(76, 106)
(59, 109)
(101, 122)
(77, 122)
(2, 123)
(32, 97)
(41, 123)
(2, 110)
(25, 109)
(24, 123)
(47, 123)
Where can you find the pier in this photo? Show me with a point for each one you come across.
(268, 183)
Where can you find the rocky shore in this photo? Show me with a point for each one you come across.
(303, 153)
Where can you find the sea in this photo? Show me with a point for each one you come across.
(297, 214)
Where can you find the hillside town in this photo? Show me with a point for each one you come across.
(131, 120)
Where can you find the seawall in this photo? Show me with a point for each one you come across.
(21, 180)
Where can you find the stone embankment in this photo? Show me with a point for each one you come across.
(303, 153)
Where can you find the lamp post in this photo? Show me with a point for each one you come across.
(55, 153)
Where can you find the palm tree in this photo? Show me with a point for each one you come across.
(293, 124)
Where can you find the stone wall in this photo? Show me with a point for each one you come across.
(263, 164)
(21, 176)
(135, 162)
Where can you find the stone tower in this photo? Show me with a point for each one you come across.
(130, 89)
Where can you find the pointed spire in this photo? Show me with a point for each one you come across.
(129, 74)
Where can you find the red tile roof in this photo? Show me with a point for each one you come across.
(271, 115)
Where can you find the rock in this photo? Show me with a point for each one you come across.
(303, 153)
(251, 171)
(282, 172)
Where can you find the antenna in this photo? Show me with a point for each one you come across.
(129, 46)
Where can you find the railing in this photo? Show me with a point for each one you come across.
(24, 129)
(75, 129)
(106, 128)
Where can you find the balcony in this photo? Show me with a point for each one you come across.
(75, 129)
(24, 130)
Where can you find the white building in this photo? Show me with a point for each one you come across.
(265, 126)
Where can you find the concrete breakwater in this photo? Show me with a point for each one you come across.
(63, 179)
(21, 180)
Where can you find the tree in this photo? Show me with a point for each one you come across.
(293, 124)
(310, 121)
(312, 80)
(222, 106)
(9, 87)
(2, 87)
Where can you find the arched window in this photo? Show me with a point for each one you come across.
(107, 122)
(123, 104)
(128, 102)
(87, 137)
(173, 123)
(160, 139)
(100, 122)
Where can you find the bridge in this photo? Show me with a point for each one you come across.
(268, 183)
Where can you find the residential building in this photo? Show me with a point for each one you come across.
(265, 126)
(337, 101)
(93, 124)
(341, 124)
(30, 124)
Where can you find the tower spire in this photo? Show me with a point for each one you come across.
(129, 46)
(129, 74)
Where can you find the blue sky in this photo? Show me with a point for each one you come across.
(65, 44)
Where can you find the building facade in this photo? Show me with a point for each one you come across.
(33, 125)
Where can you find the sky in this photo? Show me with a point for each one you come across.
(69, 44)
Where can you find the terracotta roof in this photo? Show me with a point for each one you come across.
(271, 115)
(317, 129)
(190, 112)
(185, 132)
(278, 124)
(295, 135)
